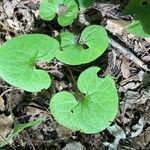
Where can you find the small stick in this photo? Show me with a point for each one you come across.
(128, 54)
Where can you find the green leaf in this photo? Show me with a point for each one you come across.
(83, 4)
(18, 57)
(140, 28)
(93, 43)
(65, 9)
(140, 9)
(132, 7)
(18, 128)
(95, 111)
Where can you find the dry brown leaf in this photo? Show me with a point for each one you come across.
(5, 126)
(146, 58)
(143, 139)
(125, 68)
(115, 26)
(2, 105)
(33, 110)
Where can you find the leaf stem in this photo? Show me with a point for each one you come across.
(79, 95)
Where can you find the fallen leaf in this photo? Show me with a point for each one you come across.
(5, 126)
(118, 133)
(73, 146)
(9, 7)
(125, 68)
(115, 26)
(138, 128)
(143, 139)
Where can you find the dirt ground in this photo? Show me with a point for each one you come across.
(127, 59)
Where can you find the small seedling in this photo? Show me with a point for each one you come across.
(18, 57)
(18, 128)
(140, 9)
(66, 10)
(89, 46)
(93, 112)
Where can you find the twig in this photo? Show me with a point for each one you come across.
(5, 92)
(128, 54)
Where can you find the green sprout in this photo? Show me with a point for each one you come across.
(66, 11)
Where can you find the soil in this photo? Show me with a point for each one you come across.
(127, 59)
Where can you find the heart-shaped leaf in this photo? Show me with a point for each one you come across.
(18, 57)
(95, 111)
(83, 4)
(65, 9)
(140, 9)
(92, 43)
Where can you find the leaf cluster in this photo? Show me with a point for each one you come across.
(97, 107)
(19, 56)
(66, 10)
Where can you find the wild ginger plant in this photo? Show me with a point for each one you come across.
(97, 107)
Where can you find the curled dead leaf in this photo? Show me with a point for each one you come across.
(125, 68)
(5, 126)
(143, 139)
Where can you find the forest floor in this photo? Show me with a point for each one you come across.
(127, 59)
